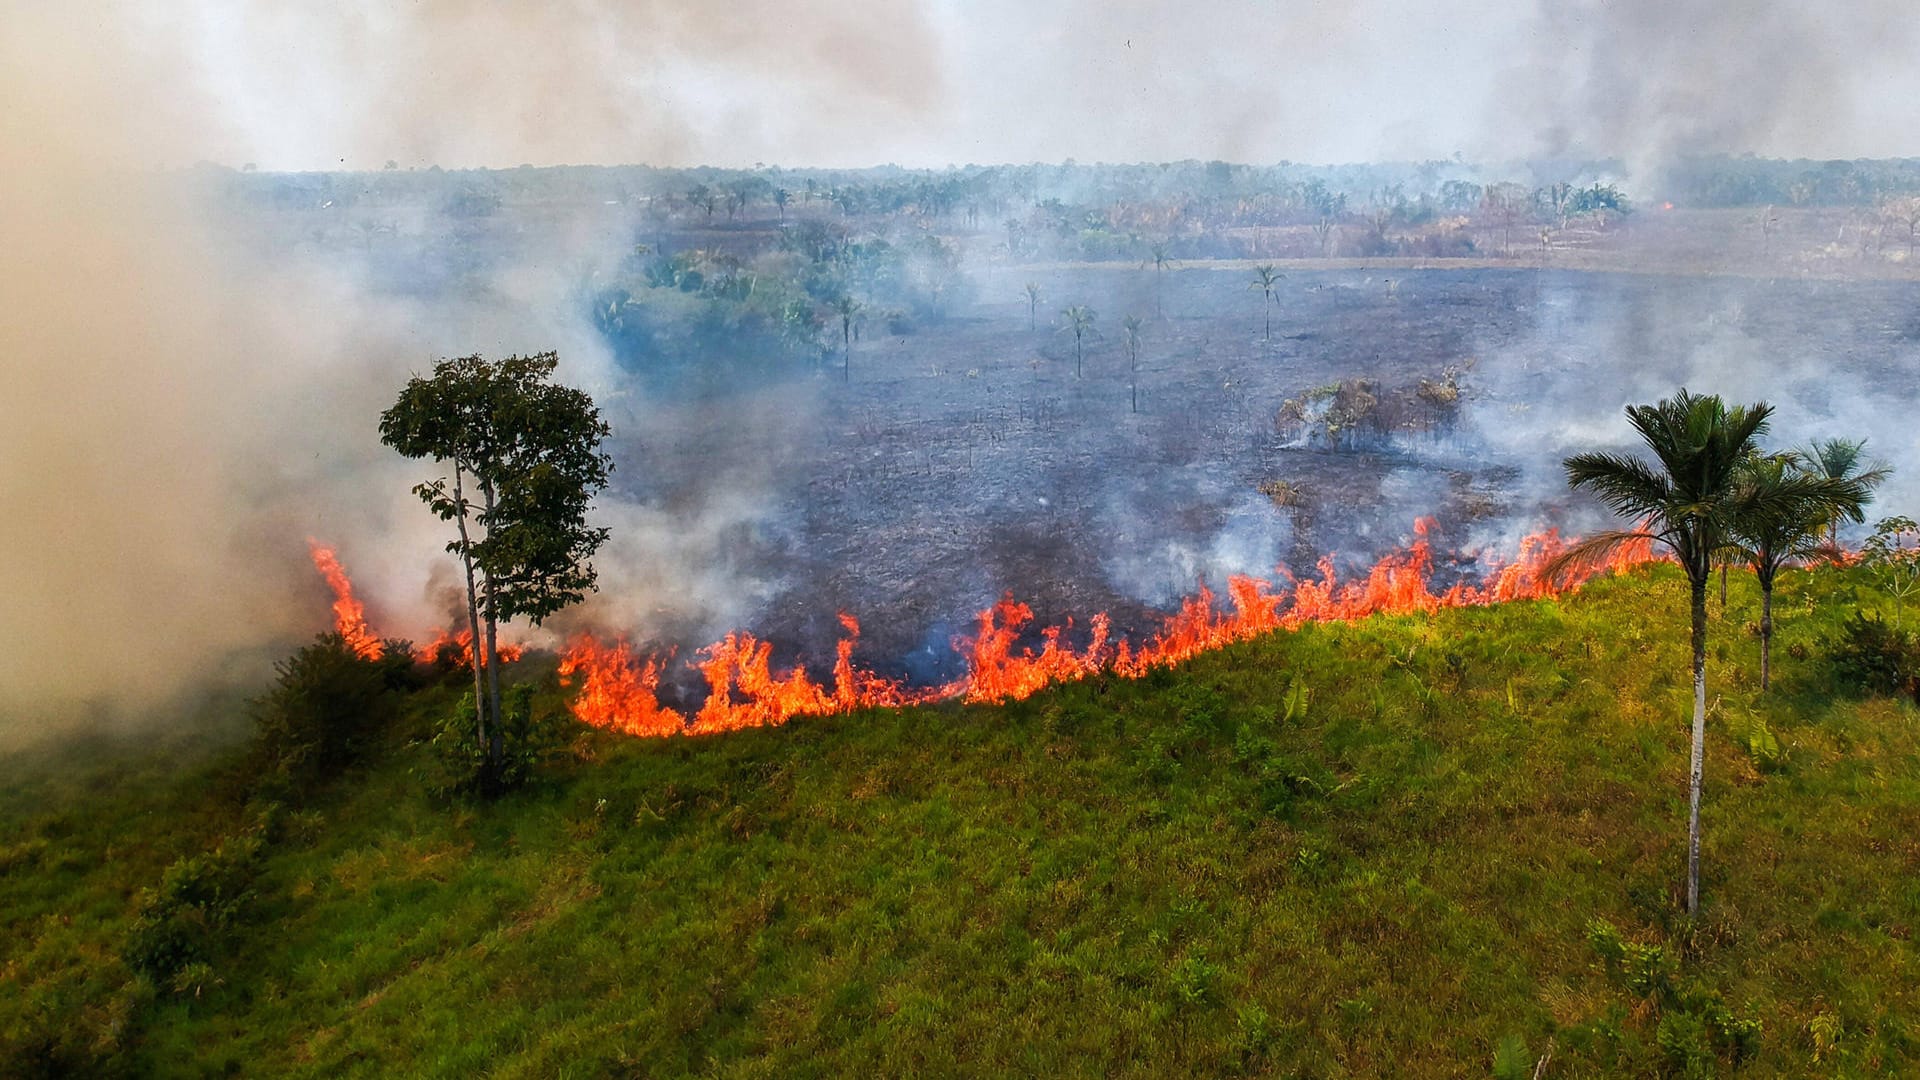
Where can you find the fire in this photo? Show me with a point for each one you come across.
(620, 691)
(350, 619)
(349, 616)
(458, 648)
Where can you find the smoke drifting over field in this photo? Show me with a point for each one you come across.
(187, 401)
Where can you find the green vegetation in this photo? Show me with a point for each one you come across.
(1415, 846)
(532, 451)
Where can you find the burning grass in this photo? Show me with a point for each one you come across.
(619, 689)
(1358, 848)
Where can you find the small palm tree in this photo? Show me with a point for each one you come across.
(1080, 319)
(1784, 511)
(1266, 280)
(1033, 305)
(845, 306)
(1160, 256)
(1842, 459)
(1690, 503)
(1132, 324)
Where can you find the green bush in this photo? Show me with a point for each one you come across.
(529, 736)
(1872, 657)
(326, 705)
(181, 921)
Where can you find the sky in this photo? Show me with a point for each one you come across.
(354, 84)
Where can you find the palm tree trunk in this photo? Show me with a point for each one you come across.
(1723, 586)
(473, 615)
(1766, 631)
(1699, 590)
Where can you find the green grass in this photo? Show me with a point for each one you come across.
(1161, 877)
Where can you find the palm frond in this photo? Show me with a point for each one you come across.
(1627, 485)
(1591, 552)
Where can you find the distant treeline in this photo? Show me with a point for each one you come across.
(975, 190)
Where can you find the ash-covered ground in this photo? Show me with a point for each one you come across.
(966, 460)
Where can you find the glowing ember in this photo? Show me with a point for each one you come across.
(349, 617)
(619, 691)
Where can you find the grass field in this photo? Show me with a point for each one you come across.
(1412, 846)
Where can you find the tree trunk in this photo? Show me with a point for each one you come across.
(496, 742)
(1076, 356)
(473, 614)
(1699, 590)
(1766, 631)
(1267, 308)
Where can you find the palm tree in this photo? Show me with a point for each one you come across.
(1033, 305)
(1079, 320)
(1133, 324)
(1784, 509)
(1842, 459)
(1161, 256)
(1265, 279)
(845, 306)
(1691, 504)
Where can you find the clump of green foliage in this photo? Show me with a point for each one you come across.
(1871, 656)
(531, 736)
(327, 704)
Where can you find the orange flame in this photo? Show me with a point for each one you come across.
(349, 616)
(620, 692)
(458, 649)
(350, 619)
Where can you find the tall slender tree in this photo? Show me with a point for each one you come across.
(1080, 319)
(1160, 257)
(845, 306)
(1266, 279)
(1690, 502)
(1133, 324)
(1033, 305)
(531, 450)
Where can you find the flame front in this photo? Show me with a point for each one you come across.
(349, 616)
(620, 691)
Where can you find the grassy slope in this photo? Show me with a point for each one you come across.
(1162, 876)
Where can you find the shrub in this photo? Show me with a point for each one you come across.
(529, 737)
(1875, 658)
(325, 706)
(181, 922)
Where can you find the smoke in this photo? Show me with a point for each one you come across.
(1655, 80)
(190, 394)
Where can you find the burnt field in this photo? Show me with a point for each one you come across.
(941, 468)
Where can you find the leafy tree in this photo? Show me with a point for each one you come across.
(781, 197)
(531, 448)
(1132, 324)
(1893, 551)
(1080, 319)
(703, 196)
(1266, 279)
(1691, 503)
(1033, 305)
(1783, 510)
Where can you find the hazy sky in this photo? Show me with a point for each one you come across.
(811, 82)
